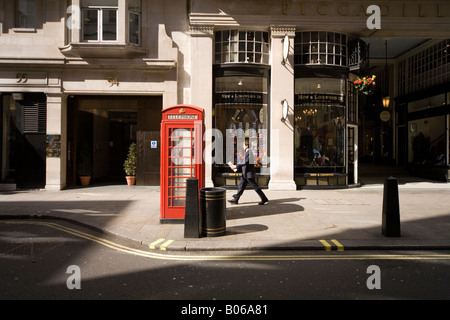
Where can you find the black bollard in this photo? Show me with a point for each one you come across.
(191, 211)
(391, 209)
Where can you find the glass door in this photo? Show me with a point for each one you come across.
(352, 154)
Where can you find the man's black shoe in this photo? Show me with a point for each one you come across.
(233, 201)
(263, 202)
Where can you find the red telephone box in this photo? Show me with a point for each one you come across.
(181, 157)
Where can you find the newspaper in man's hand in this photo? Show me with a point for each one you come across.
(232, 166)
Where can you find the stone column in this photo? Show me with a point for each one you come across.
(202, 85)
(57, 126)
(122, 32)
(282, 131)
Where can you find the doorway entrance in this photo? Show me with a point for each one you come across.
(352, 154)
(108, 125)
(23, 119)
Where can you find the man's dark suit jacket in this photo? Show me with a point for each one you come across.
(248, 167)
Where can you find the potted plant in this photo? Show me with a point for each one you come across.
(365, 85)
(85, 164)
(130, 165)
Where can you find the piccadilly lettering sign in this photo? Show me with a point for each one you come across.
(404, 9)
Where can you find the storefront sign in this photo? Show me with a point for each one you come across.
(405, 9)
(320, 175)
(234, 97)
(385, 116)
(318, 98)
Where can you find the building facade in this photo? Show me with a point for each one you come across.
(98, 73)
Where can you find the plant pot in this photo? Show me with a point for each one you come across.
(85, 180)
(131, 180)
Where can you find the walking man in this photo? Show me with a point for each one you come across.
(248, 176)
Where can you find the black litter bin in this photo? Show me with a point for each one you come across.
(213, 211)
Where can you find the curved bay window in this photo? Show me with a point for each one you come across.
(241, 46)
(241, 84)
(323, 48)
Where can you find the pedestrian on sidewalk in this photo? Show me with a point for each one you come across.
(248, 176)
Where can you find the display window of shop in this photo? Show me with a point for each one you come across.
(427, 145)
(241, 111)
(427, 141)
(319, 136)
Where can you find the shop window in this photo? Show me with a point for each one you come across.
(26, 14)
(427, 141)
(319, 123)
(239, 46)
(99, 20)
(427, 103)
(241, 111)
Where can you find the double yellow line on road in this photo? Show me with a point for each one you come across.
(192, 257)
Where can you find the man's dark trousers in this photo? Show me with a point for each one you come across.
(243, 184)
(248, 177)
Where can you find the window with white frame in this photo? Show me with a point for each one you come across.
(99, 20)
(237, 46)
(326, 48)
(427, 68)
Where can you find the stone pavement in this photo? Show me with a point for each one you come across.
(339, 219)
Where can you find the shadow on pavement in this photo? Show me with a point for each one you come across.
(252, 209)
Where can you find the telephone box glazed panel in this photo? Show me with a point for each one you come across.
(181, 157)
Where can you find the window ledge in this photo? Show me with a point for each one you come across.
(101, 50)
(24, 30)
